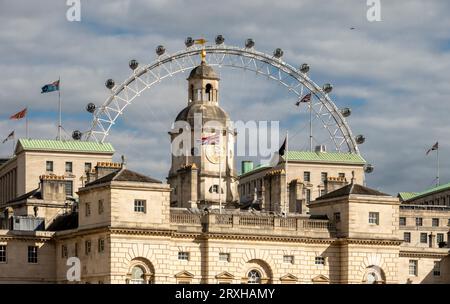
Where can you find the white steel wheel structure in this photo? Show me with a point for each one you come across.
(220, 55)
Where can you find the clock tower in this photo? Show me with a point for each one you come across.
(202, 140)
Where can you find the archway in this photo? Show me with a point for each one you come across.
(140, 271)
(257, 272)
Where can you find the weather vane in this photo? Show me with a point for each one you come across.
(202, 41)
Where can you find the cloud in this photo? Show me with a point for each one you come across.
(393, 74)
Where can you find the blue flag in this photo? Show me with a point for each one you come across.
(54, 86)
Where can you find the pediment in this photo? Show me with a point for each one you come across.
(225, 276)
(320, 279)
(184, 275)
(289, 277)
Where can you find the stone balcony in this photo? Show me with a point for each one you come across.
(251, 224)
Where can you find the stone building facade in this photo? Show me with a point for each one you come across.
(124, 227)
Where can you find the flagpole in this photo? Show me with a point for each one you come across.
(310, 127)
(220, 171)
(26, 127)
(437, 176)
(286, 172)
(59, 106)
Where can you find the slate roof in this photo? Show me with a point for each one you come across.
(124, 175)
(64, 222)
(351, 189)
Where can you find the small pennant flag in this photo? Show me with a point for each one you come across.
(306, 98)
(282, 149)
(19, 115)
(54, 86)
(11, 135)
(434, 147)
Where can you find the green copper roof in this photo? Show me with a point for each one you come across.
(431, 190)
(329, 157)
(65, 145)
(407, 195)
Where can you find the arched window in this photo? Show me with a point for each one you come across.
(191, 92)
(254, 277)
(208, 91)
(137, 275)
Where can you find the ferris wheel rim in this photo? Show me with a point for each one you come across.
(222, 49)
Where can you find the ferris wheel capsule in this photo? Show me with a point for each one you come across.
(360, 139)
(304, 68)
(133, 64)
(160, 50)
(90, 107)
(220, 39)
(189, 42)
(368, 168)
(327, 88)
(110, 83)
(346, 112)
(76, 135)
(249, 43)
(278, 53)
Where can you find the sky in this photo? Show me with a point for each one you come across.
(392, 73)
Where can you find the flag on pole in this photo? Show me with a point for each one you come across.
(306, 98)
(11, 135)
(282, 149)
(209, 140)
(19, 115)
(200, 41)
(54, 86)
(433, 148)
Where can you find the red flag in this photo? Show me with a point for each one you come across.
(434, 147)
(306, 98)
(19, 115)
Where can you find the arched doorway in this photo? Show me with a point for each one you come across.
(257, 272)
(374, 275)
(140, 271)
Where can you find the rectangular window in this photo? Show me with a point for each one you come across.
(63, 251)
(49, 166)
(435, 222)
(183, 255)
(419, 221)
(2, 253)
(101, 245)
(437, 268)
(403, 221)
(306, 176)
(100, 206)
(323, 176)
(374, 218)
(87, 211)
(413, 267)
(87, 167)
(224, 257)
(139, 206)
(69, 167)
(308, 196)
(87, 247)
(32, 254)
(423, 238)
(337, 217)
(341, 175)
(407, 237)
(323, 192)
(319, 260)
(440, 238)
(288, 259)
(69, 188)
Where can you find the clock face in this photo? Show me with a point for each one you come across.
(213, 153)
